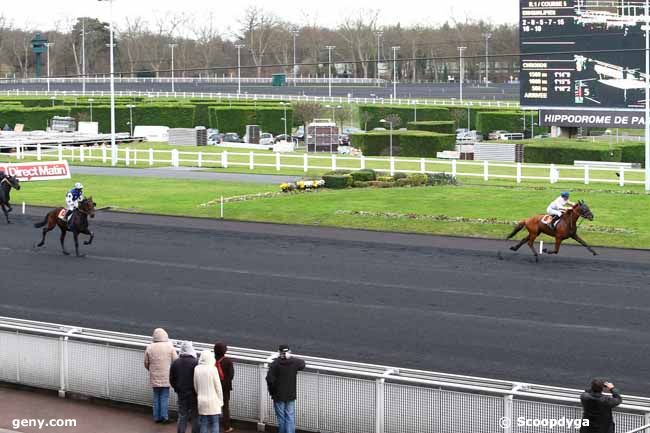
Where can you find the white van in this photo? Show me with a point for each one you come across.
(152, 133)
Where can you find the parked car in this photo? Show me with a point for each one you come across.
(344, 140)
(282, 137)
(214, 139)
(266, 138)
(351, 130)
(494, 135)
(512, 136)
(472, 136)
(299, 133)
(232, 137)
(541, 136)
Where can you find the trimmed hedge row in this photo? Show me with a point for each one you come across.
(35, 118)
(337, 181)
(511, 121)
(174, 116)
(235, 119)
(405, 112)
(558, 153)
(418, 144)
(439, 126)
(459, 115)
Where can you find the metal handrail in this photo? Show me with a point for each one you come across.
(640, 429)
(480, 385)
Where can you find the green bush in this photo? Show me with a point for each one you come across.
(381, 184)
(406, 113)
(418, 179)
(385, 179)
(360, 184)
(365, 175)
(400, 175)
(439, 126)
(563, 154)
(441, 179)
(418, 144)
(34, 118)
(173, 116)
(235, 119)
(459, 115)
(337, 181)
(511, 121)
(633, 152)
(338, 172)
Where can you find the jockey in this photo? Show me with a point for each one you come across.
(73, 198)
(558, 207)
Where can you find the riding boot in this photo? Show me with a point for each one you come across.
(556, 219)
(9, 208)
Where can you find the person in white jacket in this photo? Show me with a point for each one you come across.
(208, 391)
(558, 207)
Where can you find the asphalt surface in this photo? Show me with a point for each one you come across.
(445, 304)
(405, 90)
(183, 173)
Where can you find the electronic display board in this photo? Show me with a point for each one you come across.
(583, 54)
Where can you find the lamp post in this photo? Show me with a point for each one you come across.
(295, 33)
(239, 47)
(462, 71)
(391, 135)
(131, 107)
(379, 35)
(83, 56)
(91, 100)
(395, 72)
(284, 105)
(172, 46)
(48, 45)
(112, 77)
(329, 66)
(487, 37)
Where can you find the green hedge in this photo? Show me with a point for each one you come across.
(633, 152)
(459, 115)
(235, 119)
(439, 126)
(405, 112)
(418, 144)
(34, 118)
(337, 181)
(562, 154)
(510, 121)
(365, 175)
(174, 116)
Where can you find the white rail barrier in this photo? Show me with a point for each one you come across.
(191, 80)
(333, 395)
(272, 97)
(306, 162)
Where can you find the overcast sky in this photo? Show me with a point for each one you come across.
(43, 14)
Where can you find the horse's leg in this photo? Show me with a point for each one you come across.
(89, 233)
(584, 244)
(75, 235)
(4, 211)
(558, 242)
(520, 244)
(63, 233)
(49, 226)
(531, 244)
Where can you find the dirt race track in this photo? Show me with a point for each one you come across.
(444, 304)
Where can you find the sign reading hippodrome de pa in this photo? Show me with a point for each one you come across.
(32, 171)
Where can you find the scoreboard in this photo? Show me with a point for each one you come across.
(582, 54)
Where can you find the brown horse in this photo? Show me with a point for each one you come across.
(6, 183)
(78, 224)
(566, 228)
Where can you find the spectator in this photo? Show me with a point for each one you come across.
(181, 377)
(158, 359)
(281, 381)
(226, 374)
(597, 408)
(209, 394)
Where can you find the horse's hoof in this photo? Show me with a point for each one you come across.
(595, 254)
(513, 249)
(86, 243)
(81, 255)
(65, 253)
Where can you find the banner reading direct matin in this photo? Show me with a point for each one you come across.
(32, 171)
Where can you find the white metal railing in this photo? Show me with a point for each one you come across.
(306, 162)
(333, 395)
(272, 97)
(182, 80)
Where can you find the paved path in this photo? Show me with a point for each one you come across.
(436, 303)
(90, 417)
(183, 173)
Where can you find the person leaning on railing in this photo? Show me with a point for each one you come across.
(158, 359)
(281, 381)
(227, 375)
(597, 407)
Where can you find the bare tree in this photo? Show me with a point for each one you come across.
(359, 35)
(257, 26)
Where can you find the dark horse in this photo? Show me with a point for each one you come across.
(78, 224)
(6, 183)
(566, 228)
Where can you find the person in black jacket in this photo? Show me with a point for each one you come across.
(597, 408)
(226, 374)
(281, 381)
(181, 378)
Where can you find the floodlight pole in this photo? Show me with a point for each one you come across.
(239, 47)
(295, 33)
(329, 66)
(172, 46)
(379, 35)
(395, 72)
(487, 37)
(83, 56)
(48, 45)
(462, 71)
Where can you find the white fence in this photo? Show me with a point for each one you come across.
(306, 162)
(274, 97)
(333, 396)
(192, 80)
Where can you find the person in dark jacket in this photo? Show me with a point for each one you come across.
(181, 378)
(597, 408)
(226, 374)
(281, 381)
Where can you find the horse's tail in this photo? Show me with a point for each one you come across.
(42, 223)
(519, 227)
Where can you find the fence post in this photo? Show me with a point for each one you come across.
(114, 155)
(151, 158)
(486, 170)
(519, 172)
(621, 180)
(263, 397)
(392, 166)
(333, 161)
(63, 348)
(199, 160)
(423, 165)
(251, 161)
(454, 167)
(127, 156)
(175, 161)
(224, 159)
(551, 174)
(59, 149)
(277, 161)
(379, 405)
(82, 155)
(362, 161)
(38, 151)
(103, 153)
(506, 424)
(305, 162)
(586, 174)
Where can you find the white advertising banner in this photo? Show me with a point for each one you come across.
(32, 171)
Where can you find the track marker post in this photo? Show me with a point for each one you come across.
(541, 247)
(23, 208)
(221, 207)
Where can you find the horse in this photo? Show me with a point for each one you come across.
(6, 183)
(78, 222)
(565, 228)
